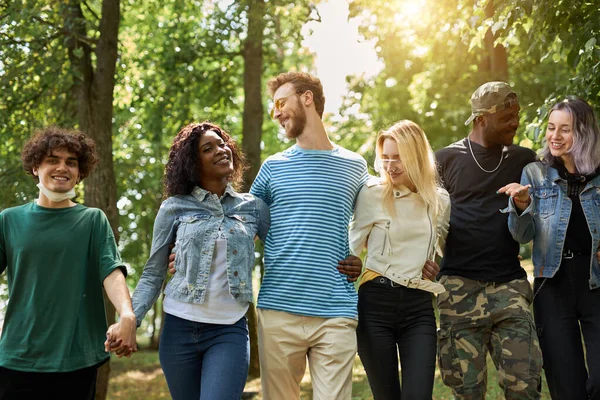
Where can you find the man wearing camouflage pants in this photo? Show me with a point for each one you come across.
(486, 304)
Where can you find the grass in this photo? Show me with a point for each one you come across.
(141, 378)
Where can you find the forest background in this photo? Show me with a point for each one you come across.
(131, 73)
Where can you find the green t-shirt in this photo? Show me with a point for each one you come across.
(55, 261)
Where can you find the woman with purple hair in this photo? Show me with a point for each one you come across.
(557, 205)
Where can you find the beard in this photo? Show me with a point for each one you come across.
(500, 137)
(507, 139)
(297, 125)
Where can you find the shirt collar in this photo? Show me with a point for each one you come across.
(401, 191)
(201, 194)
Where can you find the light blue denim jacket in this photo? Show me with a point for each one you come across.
(546, 219)
(192, 222)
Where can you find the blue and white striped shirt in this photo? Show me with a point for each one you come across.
(311, 194)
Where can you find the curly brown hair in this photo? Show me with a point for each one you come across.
(45, 140)
(183, 168)
(302, 82)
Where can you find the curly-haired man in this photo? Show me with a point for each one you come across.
(58, 255)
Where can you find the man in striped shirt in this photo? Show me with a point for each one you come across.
(306, 306)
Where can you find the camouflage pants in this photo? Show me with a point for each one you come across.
(477, 317)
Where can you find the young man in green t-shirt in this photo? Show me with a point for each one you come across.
(58, 255)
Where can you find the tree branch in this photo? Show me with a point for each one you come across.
(85, 3)
(6, 174)
(219, 54)
(43, 21)
(33, 99)
(42, 40)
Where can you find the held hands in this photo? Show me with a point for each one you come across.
(120, 337)
(519, 193)
(351, 267)
(430, 270)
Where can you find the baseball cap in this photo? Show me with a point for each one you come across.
(491, 98)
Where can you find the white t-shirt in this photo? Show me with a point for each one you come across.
(219, 306)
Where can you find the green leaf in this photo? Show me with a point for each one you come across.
(78, 52)
(590, 44)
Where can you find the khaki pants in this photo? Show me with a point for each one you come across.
(285, 341)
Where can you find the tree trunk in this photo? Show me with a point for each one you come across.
(495, 63)
(95, 112)
(252, 130)
(253, 107)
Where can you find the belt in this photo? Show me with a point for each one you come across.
(411, 283)
(567, 254)
(385, 281)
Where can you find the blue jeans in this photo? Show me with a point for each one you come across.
(187, 346)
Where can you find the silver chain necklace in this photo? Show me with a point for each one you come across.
(479, 165)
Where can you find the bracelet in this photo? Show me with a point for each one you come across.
(522, 201)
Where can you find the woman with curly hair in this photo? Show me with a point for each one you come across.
(204, 346)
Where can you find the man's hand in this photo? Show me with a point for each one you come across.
(172, 263)
(430, 270)
(351, 267)
(120, 337)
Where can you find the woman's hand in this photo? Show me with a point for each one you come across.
(519, 193)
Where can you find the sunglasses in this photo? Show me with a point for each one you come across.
(280, 102)
(390, 161)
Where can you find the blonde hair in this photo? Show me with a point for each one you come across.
(418, 162)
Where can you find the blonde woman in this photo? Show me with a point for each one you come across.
(402, 219)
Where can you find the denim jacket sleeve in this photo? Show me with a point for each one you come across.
(264, 218)
(361, 223)
(521, 226)
(155, 270)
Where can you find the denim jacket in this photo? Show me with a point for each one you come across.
(546, 219)
(192, 222)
